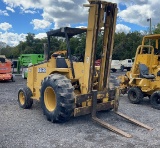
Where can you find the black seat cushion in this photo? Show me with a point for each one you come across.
(144, 72)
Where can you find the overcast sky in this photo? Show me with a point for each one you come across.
(19, 17)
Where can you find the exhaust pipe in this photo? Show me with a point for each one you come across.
(46, 56)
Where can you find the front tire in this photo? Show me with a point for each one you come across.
(57, 98)
(24, 98)
(135, 95)
(155, 100)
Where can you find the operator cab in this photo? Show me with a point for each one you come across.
(67, 33)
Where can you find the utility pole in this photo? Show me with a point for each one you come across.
(150, 25)
(150, 28)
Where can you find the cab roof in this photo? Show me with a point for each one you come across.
(70, 32)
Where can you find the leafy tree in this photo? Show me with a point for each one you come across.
(30, 39)
(119, 46)
(7, 52)
(81, 45)
(28, 50)
(74, 43)
(62, 45)
(15, 52)
(157, 29)
(125, 45)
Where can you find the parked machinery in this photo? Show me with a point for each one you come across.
(24, 60)
(5, 69)
(67, 88)
(144, 78)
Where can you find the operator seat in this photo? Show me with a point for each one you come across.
(156, 51)
(144, 72)
(61, 62)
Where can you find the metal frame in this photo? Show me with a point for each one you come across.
(67, 33)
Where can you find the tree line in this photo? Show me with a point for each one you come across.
(125, 45)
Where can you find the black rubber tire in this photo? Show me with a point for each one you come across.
(122, 68)
(155, 100)
(24, 98)
(13, 78)
(64, 97)
(135, 95)
(114, 70)
(128, 69)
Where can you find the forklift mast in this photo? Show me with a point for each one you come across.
(102, 17)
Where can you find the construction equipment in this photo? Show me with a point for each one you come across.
(144, 78)
(25, 59)
(5, 69)
(67, 88)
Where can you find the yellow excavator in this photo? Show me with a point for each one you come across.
(66, 87)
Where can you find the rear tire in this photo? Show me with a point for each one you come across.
(135, 95)
(24, 98)
(57, 98)
(155, 100)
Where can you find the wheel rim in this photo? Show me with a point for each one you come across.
(21, 98)
(50, 99)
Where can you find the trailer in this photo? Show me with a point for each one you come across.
(126, 64)
(115, 65)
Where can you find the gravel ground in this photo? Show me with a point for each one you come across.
(21, 128)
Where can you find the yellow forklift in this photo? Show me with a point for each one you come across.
(66, 87)
(144, 78)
